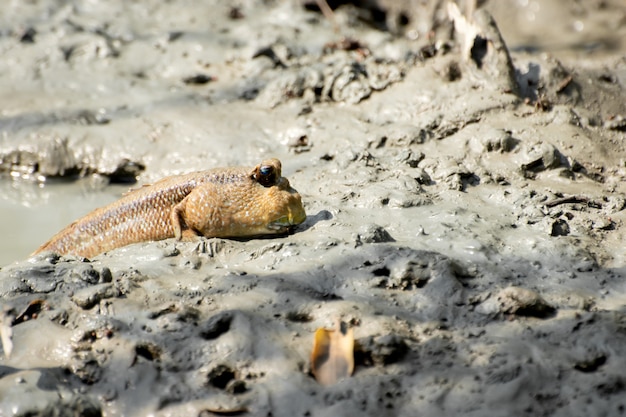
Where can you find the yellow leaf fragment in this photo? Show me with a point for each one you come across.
(332, 358)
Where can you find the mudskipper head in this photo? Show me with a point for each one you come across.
(283, 203)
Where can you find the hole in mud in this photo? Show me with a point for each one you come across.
(479, 50)
(381, 272)
(379, 16)
(380, 350)
(614, 385)
(250, 94)
(403, 19)
(198, 79)
(560, 228)
(216, 326)
(298, 317)
(590, 365)
(220, 376)
(148, 351)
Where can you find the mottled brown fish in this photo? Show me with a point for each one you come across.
(225, 202)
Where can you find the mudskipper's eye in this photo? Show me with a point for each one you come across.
(266, 175)
(266, 170)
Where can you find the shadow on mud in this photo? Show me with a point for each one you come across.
(434, 335)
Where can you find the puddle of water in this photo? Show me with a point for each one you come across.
(32, 213)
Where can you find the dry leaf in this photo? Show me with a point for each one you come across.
(333, 354)
(464, 27)
(6, 332)
(8, 319)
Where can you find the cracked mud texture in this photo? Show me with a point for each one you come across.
(466, 217)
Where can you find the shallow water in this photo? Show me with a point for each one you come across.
(32, 212)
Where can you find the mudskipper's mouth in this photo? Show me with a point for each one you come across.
(285, 223)
(279, 228)
(297, 216)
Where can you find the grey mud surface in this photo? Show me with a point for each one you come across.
(467, 220)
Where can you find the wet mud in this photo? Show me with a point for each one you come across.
(463, 180)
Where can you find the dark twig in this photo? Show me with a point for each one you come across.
(563, 84)
(573, 200)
